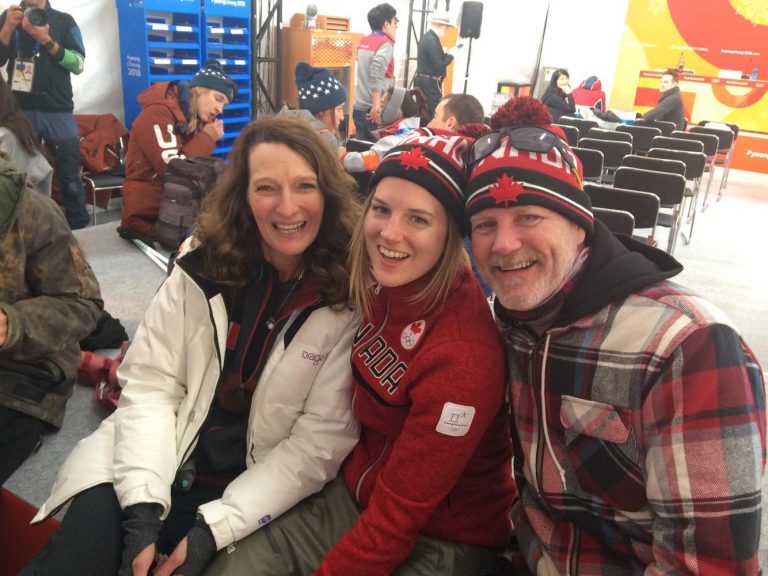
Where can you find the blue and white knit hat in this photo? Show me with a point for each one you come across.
(318, 89)
(213, 76)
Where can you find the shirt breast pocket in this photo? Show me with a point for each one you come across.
(602, 451)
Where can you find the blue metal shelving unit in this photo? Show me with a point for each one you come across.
(159, 40)
(226, 36)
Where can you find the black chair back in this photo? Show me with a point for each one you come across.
(677, 144)
(641, 136)
(670, 188)
(580, 123)
(666, 127)
(591, 163)
(655, 164)
(571, 133)
(711, 142)
(617, 221)
(612, 150)
(603, 134)
(725, 137)
(717, 125)
(694, 161)
(644, 206)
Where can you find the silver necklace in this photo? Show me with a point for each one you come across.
(271, 319)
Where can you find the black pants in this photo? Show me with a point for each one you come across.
(20, 436)
(89, 541)
(433, 91)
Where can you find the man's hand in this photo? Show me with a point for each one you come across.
(3, 328)
(215, 130)
(39, 33)
(13, 18)
(374, 115)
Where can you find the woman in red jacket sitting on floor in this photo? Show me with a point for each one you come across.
(177, 119)
(428, 488)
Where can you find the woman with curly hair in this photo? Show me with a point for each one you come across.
(236, 389)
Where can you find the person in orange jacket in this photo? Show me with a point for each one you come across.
(178, 119)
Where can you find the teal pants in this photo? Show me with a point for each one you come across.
(295, 543)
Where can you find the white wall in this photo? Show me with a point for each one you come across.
(582, 35)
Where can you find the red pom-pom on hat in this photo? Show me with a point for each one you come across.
(522, 110)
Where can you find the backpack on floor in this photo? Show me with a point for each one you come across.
(185, 183)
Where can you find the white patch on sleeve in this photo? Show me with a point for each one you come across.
(455, 419)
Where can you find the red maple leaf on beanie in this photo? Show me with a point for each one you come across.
(506, 190)
(414, 158)
(416, 327)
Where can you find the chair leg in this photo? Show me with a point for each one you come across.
(727, 169)
(705, 204)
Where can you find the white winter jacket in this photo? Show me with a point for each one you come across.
(300, 426)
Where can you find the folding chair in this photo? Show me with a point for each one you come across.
(670, 188)
(613, 152)
(643, 206)
(726, 141)
(603, 134)
(694, 169)
(641, 136)
(356, 145)
(581, 124)
(655, 164)
(106, 181)
(571, 133)
(617, 221)
(591, 163)
(711, 146)
(677, 144)
(666, 127)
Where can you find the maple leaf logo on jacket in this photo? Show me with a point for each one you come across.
(414, 158)
(506, 190)
(411, 334)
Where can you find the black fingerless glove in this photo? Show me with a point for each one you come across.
(142, 526)
(201, 547)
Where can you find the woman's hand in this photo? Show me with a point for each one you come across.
(142, 526)
(192, 554)
(215, 130)
(169, 564)
(143, 562)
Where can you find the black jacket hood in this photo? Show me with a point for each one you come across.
(617, 266)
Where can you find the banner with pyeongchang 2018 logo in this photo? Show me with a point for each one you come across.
(229, 3)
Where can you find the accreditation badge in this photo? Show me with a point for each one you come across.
(23, 74)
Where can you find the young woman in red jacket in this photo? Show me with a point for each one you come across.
(428, 488)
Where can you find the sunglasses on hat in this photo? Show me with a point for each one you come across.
(526, 138)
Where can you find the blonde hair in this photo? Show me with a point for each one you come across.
(451, 265)
(194, 93)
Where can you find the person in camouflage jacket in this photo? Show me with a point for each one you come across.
(49, 301)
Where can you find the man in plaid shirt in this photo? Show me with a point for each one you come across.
(638, 412)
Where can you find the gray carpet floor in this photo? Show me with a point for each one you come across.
(725, 261)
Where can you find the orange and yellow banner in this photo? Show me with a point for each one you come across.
(709, 39)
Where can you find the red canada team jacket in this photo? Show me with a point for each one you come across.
(434, 455)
